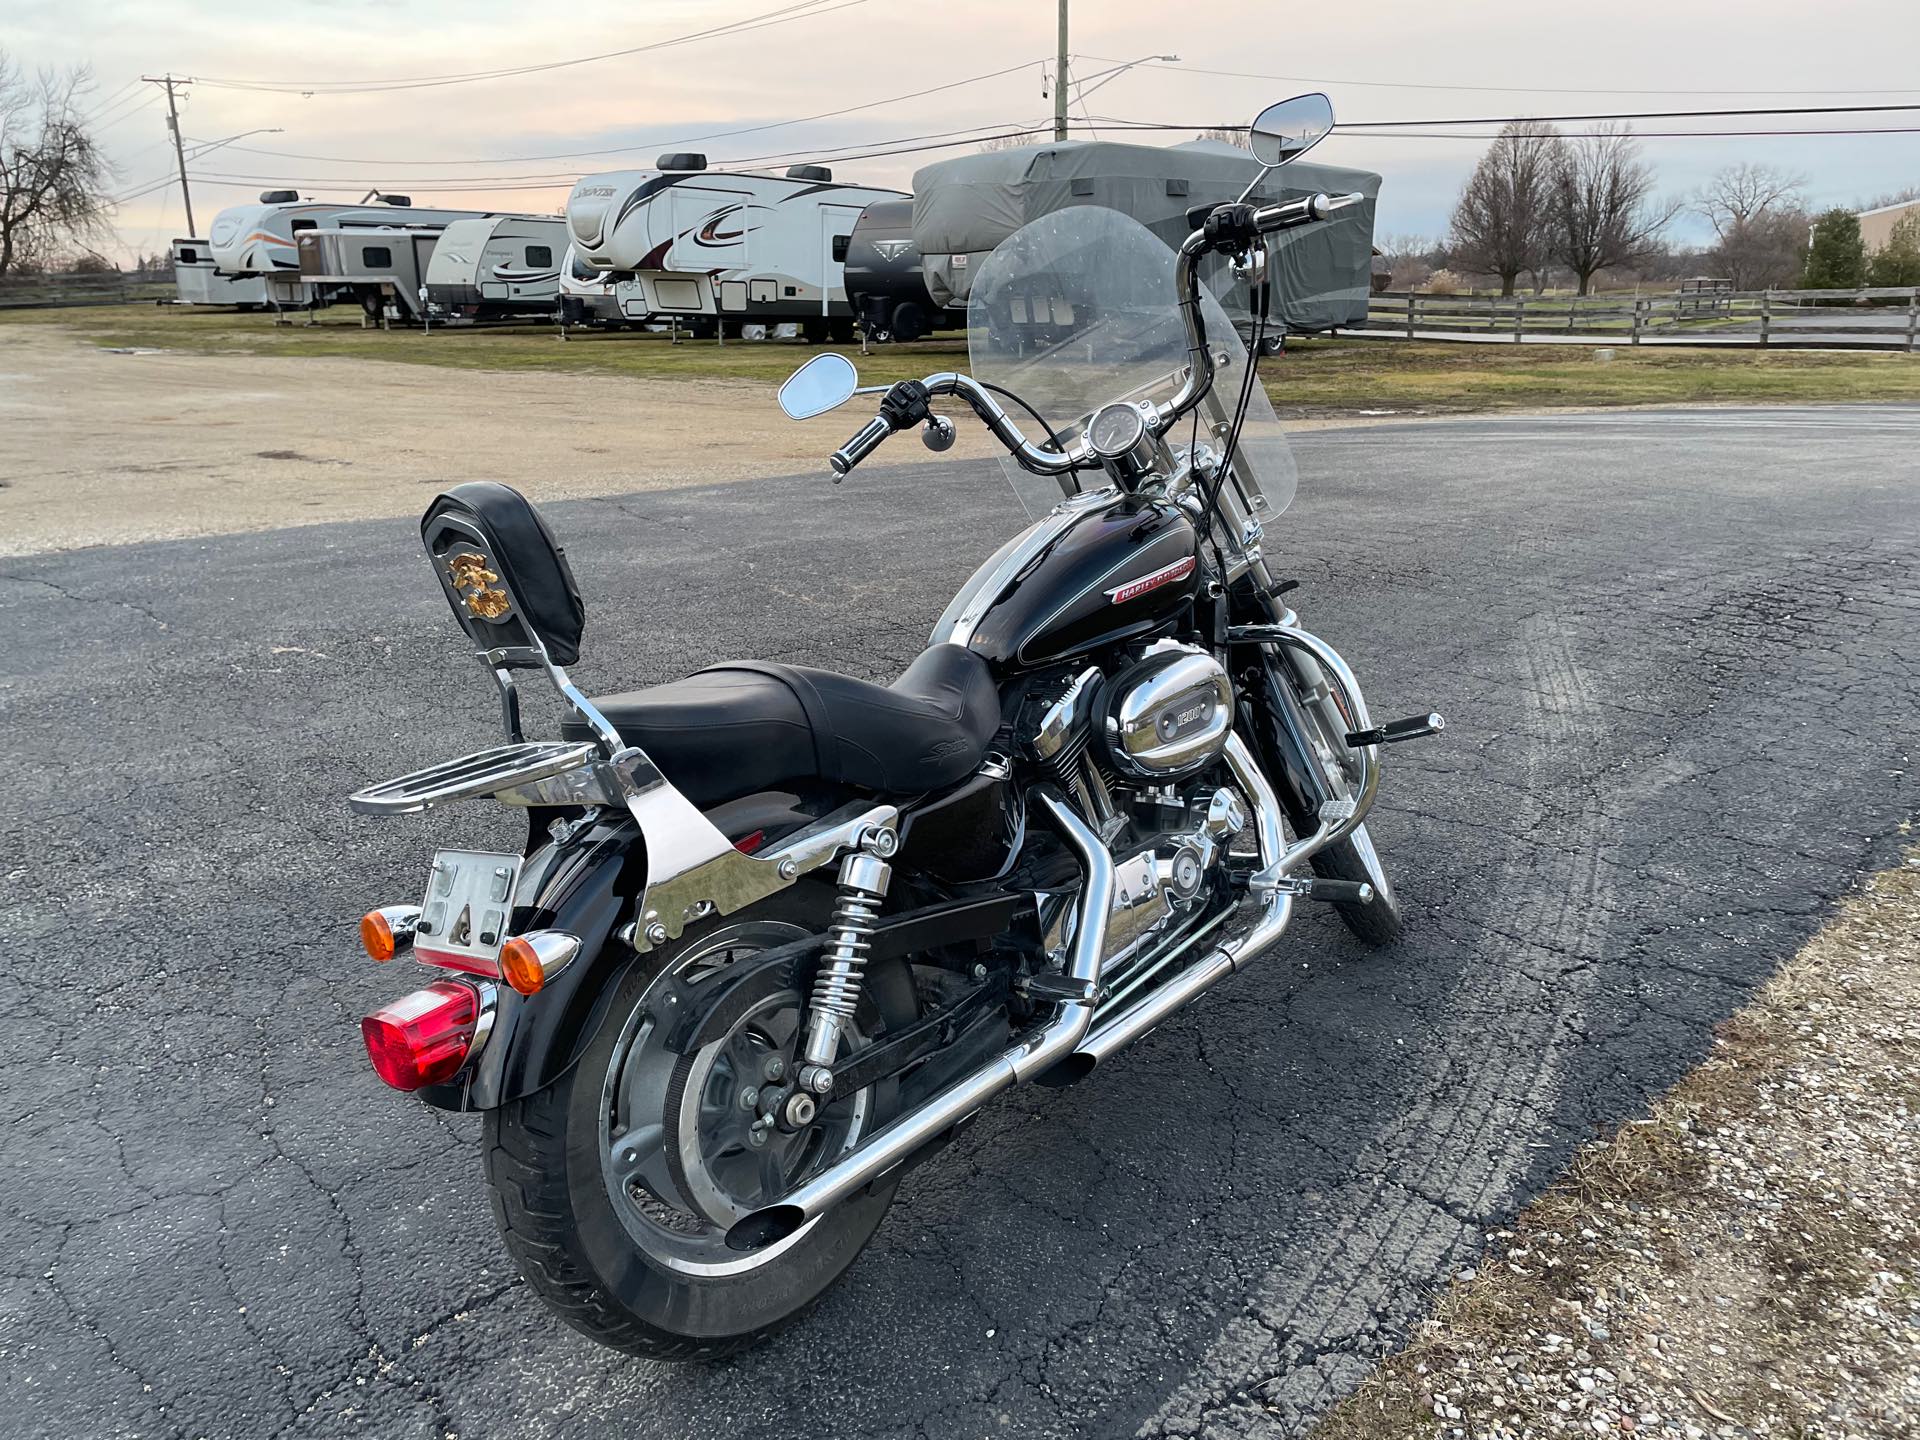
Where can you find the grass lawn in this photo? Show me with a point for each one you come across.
(1318, 377)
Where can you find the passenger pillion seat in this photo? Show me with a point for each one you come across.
(738, 728)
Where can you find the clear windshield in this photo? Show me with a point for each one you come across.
(1078, 309)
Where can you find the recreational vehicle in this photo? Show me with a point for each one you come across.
(716, 248)
(259, 239)
(497, 267)
(587, 295)
(381, 268)
(1321, 274)
(198, 283)
(885, 285)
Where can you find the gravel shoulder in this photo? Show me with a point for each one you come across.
(105, 448)
(1743, 1261)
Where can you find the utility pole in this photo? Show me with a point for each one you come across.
(1060, 79)
(179, 150)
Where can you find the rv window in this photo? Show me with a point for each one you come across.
(539, 255)
(299, 225)
(189, 254)
(375, 255)
(840, 243)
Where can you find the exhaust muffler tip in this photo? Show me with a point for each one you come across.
(765, 1227)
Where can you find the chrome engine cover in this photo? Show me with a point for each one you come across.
(1168, 714)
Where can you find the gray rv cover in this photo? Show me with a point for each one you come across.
(963, 208)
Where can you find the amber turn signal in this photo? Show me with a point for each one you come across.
(527, 962)
(520, 966)
(384, 931)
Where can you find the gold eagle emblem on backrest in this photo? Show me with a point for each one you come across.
(473, 578)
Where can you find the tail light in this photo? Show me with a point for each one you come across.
(423, 1038)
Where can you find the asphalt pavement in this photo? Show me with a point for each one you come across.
(1678, 655)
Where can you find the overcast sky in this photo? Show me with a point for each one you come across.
(1379, 60)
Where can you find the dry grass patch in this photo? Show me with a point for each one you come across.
(1745, 1261)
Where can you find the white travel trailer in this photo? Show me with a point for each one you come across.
(382, 267)
(716, 248)
(259, 239)
(497, 267)
(587, 295)
(198, 283)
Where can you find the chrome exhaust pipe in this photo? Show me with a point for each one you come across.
(1116, 1032)
(1040, 1050)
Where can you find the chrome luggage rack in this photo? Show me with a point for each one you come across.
(512, 772)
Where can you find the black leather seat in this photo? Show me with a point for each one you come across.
(735, 729)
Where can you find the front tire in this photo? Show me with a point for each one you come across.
(1378, 922)
(633, 1265)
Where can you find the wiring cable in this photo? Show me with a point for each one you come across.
(806, 10)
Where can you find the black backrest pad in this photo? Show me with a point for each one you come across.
(508, 583)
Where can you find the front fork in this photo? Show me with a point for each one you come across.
(1304, 701)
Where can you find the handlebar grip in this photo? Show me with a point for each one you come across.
(1290, 213)
(864, 443)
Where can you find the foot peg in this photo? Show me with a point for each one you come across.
(1058, 989)
(1316, 887)
(1411, 728)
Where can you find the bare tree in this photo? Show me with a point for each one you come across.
(53, 176)
(1011, 142)
(1500, 223)
(1410, 259)
(1760, 223)
(1227, 135)
(1603, 210)
(1891, 197)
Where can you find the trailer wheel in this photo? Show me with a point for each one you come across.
(909, 322)
(841, 329)
(814, 332)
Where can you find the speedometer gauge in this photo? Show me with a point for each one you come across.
(1115, 430)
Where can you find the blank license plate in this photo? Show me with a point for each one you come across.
(469, 906)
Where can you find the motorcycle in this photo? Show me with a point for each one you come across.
(777, 934)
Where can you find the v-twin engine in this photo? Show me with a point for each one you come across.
(1120, 746)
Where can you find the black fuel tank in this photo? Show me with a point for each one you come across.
(1114, 574)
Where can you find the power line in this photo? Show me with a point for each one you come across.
(805, 10)
(101, 107)
(942, 140)
(1517, 89)
(125, 113)
(645, 145)
(1633, 115)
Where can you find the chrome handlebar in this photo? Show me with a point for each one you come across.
(1199, 380)
(991, 413)
(1186, 279)
(865, 441)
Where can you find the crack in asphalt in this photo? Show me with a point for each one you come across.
(1680, 683)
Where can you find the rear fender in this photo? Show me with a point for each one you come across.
(589, 882)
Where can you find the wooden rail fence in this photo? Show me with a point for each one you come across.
(1882, 318)
(29, 291)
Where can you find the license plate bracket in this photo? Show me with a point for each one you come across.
(468, 909)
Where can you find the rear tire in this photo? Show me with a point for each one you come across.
(666, 1299)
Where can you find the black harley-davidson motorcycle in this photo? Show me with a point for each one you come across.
(777, 934)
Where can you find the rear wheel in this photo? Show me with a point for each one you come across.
(614, 1187)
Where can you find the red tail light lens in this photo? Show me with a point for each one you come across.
(423, 1038)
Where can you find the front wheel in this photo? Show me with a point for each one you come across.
(1378, 922)
(614, 1187)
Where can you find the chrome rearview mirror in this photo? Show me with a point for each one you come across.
(1288, 130)
(822, 384)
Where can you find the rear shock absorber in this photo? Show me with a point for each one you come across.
(864, 877)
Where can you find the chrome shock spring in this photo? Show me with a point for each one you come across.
(837, 983)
